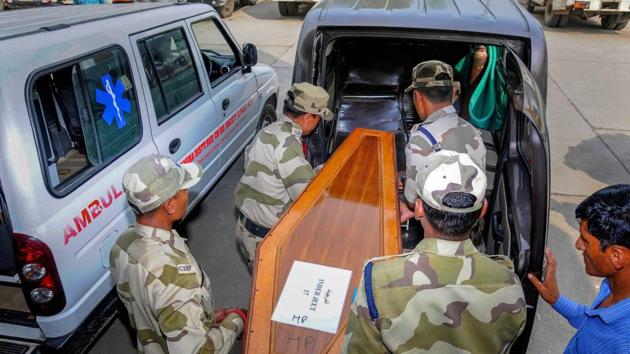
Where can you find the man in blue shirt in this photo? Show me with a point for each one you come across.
(603, 327)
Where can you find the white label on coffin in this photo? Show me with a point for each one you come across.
(313, 297)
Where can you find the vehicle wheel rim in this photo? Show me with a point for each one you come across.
(267, 120)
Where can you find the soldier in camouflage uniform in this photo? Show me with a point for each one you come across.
(444, 296)
(441, 127)
(166, 294)
(276, 171)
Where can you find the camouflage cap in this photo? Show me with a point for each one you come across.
(154, 179)
(309, 98)
(449, 171)
(425, 74)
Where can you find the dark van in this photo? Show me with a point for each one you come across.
(362, 53)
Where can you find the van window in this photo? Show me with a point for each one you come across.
(170, 71)
(87, 114)
(219, 57)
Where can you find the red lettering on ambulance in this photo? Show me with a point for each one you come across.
(220, 130)
(116, 192)
(95, 209)
(89, 214)
(68, 233)
(80, 222)
(109, 201)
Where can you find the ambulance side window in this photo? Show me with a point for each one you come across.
(220, 57)
(87, 115)
(170, 71)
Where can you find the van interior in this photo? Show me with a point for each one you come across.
(367, 90)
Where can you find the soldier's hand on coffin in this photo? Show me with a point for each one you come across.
(242, 313)
(219, 315)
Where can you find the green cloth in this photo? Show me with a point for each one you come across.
(488, 101)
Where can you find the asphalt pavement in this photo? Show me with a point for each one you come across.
(589, 124)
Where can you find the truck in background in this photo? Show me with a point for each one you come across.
(614, 14)
(292, 7)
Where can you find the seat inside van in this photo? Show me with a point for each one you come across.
(56, 109)
(368, 87)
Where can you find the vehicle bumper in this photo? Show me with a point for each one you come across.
(81, 340)
(592, 7)
(15, 346)
(24, 339)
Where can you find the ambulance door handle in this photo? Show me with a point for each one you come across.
(225, 104)
(174, 145)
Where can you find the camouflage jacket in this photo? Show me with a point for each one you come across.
(167, 295)
(445, 297)
(452, 133)
(276, 172)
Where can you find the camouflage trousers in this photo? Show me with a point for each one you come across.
(247, 243)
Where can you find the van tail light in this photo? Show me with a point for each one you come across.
(38, 274)
(584, 5)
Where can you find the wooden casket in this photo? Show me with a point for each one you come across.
(348, 214)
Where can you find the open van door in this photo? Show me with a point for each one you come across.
(520, 206)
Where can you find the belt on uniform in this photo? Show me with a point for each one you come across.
(252, 227)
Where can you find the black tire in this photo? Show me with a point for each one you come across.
(226, 10)
(283, 8)
(552, 20)
(267, 116)
(248, 2)
(609, 22)
(288, 8)
(621, 25)
(294, 7)
(564, 19)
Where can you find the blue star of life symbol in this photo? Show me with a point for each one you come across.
(114, 102)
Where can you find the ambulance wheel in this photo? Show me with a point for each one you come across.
(621, 25)
(227, 9)
(267, 116)
(288, 8)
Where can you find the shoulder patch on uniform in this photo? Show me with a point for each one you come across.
(185, 269)
(296, 132)
(369, 295)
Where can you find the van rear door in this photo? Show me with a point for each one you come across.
(520, 206)
(529, 149)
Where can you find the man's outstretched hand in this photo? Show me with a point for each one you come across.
(549, 288)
